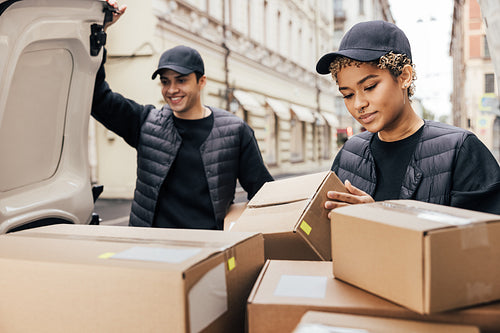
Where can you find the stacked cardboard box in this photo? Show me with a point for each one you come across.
(428, 258)
(286, 290)
(69, 278)
(290, 214)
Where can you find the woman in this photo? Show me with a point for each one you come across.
(401, 156)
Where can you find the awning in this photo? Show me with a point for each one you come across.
(303, 114)
(319, 118)
(279, 108)
(249, 103)
(330, 119)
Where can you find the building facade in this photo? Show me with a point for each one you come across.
(260, 58)
(474, 98)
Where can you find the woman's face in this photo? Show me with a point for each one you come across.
(373, 96)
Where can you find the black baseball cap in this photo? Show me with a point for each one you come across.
(181, 59)
(368, 41)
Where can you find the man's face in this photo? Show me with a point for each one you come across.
(182, 92)
(372, 96)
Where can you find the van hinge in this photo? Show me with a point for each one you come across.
(97, 34)
(97, 39)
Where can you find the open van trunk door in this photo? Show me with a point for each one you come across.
(50, 52)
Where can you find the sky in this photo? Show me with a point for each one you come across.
(427, 24)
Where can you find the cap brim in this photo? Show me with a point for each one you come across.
(323, 65)
(175, 68)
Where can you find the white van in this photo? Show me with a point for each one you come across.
(50, 52)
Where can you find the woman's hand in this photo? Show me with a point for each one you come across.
(339, 199)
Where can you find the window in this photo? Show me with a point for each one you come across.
(361, 7)
(214, 9)
(486, 49)
(271, 139)
(326, 142)
(337, 5)
(340, 109)
(297, 140)
(489, 83)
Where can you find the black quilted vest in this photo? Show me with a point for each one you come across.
(158, 145)
(429, 174)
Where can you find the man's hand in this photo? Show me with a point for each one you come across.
(355, 196)
(120, 10)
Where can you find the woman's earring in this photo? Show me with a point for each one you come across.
(404, 97)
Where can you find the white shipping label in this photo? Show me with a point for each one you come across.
(301, 286)
(208, 299)
(160, 254)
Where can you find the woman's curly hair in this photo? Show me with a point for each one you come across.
(391, 61)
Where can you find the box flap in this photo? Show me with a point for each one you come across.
(314, 224)
(288, 190)
(271, 219)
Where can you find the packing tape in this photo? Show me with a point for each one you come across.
(428, 214)
(222, 246)
(474, 233)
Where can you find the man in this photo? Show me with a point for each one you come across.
(189, 156)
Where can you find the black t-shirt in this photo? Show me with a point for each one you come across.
(184, 199)
(391, 162)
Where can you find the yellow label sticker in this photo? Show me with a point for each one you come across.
(231, 263)
(305, 227)
(106, 255)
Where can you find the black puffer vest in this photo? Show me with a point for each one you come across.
(429, 174)
(158, 145)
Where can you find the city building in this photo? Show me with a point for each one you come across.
(475, 103)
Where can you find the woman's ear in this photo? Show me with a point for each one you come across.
(406, 76)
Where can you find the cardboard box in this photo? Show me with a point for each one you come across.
(324, 322)
(286, 290)
(290, 213)
(233, 214)
(426, 257)
(77, 278)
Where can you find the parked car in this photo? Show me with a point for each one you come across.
(49, 53)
